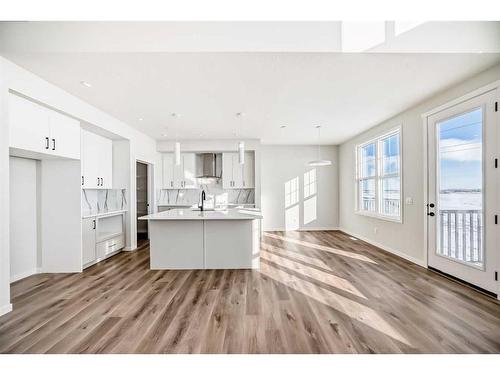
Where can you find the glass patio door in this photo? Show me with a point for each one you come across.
(462, 141)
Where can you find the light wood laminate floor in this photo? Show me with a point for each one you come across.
(316, 292)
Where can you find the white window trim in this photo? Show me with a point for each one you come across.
(378, 178)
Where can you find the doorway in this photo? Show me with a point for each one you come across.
(142, 199)
(461, 208)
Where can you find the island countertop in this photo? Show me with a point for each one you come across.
(190, 214)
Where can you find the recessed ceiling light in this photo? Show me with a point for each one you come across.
(164, 135)
(140, 119)
(85, 83)
(282, 126)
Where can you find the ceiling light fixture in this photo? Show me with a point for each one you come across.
(177, 144)
(85, 83)
(241, 144)
(319, 162)
(282, 126)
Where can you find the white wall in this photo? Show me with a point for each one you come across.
(280, 164)
(5, 305)
(24, 218)
(406, 239)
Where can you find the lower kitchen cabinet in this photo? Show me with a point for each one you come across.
(88, 240)
(102, 237)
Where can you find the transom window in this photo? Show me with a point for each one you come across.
(378, 176)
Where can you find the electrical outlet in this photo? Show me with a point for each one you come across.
(409, 201)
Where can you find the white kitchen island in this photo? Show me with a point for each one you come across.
(189, 239)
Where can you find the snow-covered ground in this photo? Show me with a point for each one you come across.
(460, 201)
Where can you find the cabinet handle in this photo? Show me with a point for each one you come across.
(47, 143)
(171, 183)
(102, 181)
(94, 224)
(97, 181)
(53, 144)
(83, 181)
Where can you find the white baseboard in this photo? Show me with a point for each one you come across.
(386, 248)
(5, 309)
(19, 276)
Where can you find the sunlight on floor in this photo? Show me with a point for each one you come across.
(345, 253)
(342, 304)
(313, 273)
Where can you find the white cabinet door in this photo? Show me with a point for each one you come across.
(88, 240)
(227, 170)
(106, 162)
(189, 167)
(249, 171)
(64, 136)
(97, 161)
(90, 160)
(178, 174)
(28, 125)
(237, 172)
(168, 171)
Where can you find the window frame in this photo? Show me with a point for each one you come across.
(379, 176)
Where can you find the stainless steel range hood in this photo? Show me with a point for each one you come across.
(209, 167)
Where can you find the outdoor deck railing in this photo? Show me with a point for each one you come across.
(461, 233)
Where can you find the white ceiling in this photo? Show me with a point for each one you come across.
(346, 93)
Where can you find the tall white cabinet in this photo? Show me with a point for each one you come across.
(97, 161)
(39, 129)
(181, 176)
(236, 175)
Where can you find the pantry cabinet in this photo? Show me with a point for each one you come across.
(236, 175)
(182, 176)
(35, 128)
(97, 161)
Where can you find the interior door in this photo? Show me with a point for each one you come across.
(462, 143)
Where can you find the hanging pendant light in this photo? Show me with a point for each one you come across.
(241, 144)
(319, 162)
(177, 144)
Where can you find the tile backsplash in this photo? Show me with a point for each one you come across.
(192, 196)
(96, 201)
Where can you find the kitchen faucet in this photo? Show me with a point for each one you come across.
(203, 197)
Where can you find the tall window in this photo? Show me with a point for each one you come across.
(378, 176)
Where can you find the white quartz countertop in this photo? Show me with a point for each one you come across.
(87, 214)
(189, 214)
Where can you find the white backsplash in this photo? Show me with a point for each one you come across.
(192, 196)
(103, 200)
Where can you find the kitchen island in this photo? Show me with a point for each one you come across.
(193, 239)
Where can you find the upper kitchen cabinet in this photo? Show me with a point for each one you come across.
(182, 176)
(41, 130)
(97, 161)
(236, 175)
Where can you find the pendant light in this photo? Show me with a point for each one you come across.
(177, 144)
(241, 144)
(319, 162)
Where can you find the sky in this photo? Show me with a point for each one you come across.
(460, 151)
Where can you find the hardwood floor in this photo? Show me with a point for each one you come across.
(316, 292)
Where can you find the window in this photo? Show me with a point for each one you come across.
(378, 177)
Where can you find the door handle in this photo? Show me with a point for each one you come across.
(53, 144)
(47, 143)
(431, 214)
